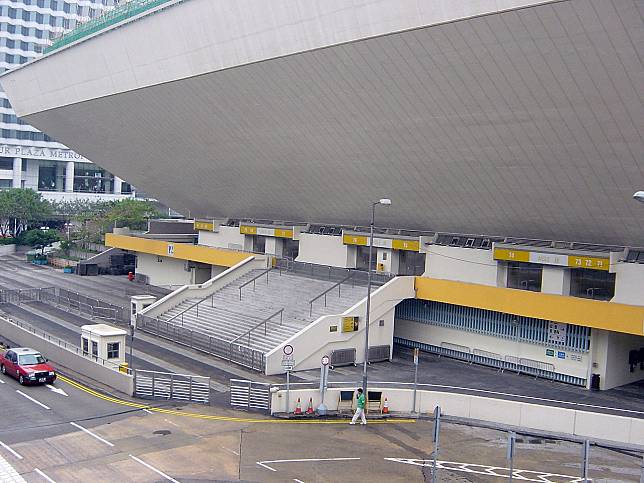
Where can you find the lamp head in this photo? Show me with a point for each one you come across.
(639, 196)
(387, 201)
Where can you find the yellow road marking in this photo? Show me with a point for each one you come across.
(212, 417)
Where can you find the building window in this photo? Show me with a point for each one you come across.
(6, 163)
(592, 284)
(113, 350)
(85, 343)
(94, 348)
(89, 178)
(5, 184)
(525, 276)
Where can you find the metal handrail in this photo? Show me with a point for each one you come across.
(264, 322)
(265, 272)
(323, 294)
(196, 304)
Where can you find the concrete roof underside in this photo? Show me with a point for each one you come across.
(525, 123)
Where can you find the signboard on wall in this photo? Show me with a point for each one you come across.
(350, 324)
(557, 259)
(557, 333)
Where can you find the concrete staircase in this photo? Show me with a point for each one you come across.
(225, 316)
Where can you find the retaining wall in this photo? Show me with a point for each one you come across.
(570, 422)
(7, 250)
(67, 357)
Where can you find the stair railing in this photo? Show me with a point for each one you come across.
(252, 280)
(324, 294)
(264, 322)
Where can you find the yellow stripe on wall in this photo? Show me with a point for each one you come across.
(409, 245)
(597, 314)
(511, 255)
(181, 251)
(247, 230)
(354, 240)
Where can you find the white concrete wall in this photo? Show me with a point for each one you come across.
(143, 54)
(316, 340)
(7, 250)
(610, 355)
(629, 283)
(68, 357)
(435, 335)
(461, 264)
(555, 280)
(225, 237)
(324, 250)
(517, 414)
(168, 272)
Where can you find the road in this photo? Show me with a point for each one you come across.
(82, 437)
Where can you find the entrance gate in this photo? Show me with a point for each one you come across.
(245, 394)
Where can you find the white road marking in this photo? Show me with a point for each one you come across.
(297, 481)
(9, 473)
(32, 399)
(12, 451)
(158, 472)
(147, 411)
(93, 435)
(44, 475)
(1, 381)
(57, 390)
(170, 422)
(230, 451)
(304, 460)
(497, 471)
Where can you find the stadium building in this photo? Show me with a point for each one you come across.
(508, 135)
(28, 157)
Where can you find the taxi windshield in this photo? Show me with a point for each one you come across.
(30, 359)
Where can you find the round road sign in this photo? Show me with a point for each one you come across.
(288, 349)
(325, 360)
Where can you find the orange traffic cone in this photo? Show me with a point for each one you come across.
(385, 408)
(298, 407)
(309, 410)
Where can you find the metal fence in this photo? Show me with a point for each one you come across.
(68, 300)
(521, 365)
(229, 350)
(336, 274)
(245, 394)
(170, 386)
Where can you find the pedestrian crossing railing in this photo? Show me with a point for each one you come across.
(171, 387)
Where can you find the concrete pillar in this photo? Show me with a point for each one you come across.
(118, 185)
(274, 246)
(555, 280)
(69, 177)
(17, 173)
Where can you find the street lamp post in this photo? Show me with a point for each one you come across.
(384, 202)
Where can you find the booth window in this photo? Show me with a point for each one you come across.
(592, 284)
(112, 350)
(525, 276)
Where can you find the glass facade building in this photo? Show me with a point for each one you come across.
(28, 157)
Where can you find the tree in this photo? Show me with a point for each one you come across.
(132, 213)
(41, 238)
(20, 207)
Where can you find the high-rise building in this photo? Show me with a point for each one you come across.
(28, 157)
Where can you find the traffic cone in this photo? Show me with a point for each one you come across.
(309, 410)
(298, 407)
(385, 408)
